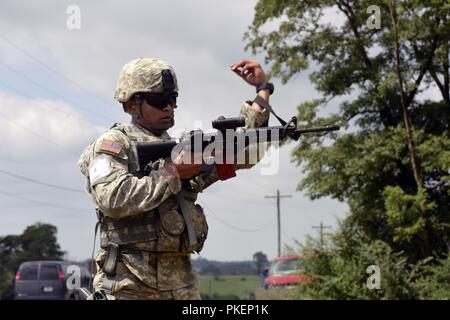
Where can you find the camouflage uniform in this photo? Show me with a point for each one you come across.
(141, 213)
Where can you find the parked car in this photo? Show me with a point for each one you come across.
(285, 271)
(47, 280)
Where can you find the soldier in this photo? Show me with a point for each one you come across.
(144, 220)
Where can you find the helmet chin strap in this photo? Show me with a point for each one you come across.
(138, 104)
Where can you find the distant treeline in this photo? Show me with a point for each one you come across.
(206, 267)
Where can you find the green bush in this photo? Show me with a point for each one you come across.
(435, 284)
(341, 274)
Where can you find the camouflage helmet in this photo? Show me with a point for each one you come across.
(145, 75)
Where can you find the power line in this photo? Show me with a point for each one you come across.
(46, 89)
(285, 234)
(46, 66)
(22, 93)
(46, 204)
(40, 182)
(249, 178)
(38, 135)
(230, 225)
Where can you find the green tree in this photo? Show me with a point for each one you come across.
(392, 163)
(435, 283)
(37, 242)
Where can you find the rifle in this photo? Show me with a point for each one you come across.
(228, 134)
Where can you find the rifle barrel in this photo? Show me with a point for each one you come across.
(333, 127)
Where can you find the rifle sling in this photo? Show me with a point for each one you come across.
(264, 104)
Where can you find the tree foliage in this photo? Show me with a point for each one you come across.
(392, 163)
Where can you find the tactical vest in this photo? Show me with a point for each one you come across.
(178, 225)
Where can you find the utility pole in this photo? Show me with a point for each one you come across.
(321, 227)
(278, 196)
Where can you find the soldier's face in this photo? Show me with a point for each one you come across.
(156, 120)
(156, 116)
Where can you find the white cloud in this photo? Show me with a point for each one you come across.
(37, 128)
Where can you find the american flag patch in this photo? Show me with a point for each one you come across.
(111, 147)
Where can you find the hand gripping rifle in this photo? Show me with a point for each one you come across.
(229, 134)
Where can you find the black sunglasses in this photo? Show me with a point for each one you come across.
(159, 101)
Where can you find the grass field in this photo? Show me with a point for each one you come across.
(228, 287)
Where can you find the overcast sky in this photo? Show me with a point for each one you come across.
(56, 89)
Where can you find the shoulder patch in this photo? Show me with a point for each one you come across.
(110, 146)
(100, 167)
